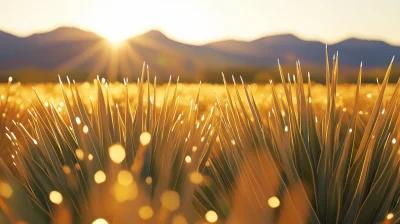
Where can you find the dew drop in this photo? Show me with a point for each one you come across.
(66, 169)
(85, 129)
(146, 212)
(79, 154)
(100, 177)
(100, 221)
(179, 219)
(211, 216)
(196, 177)
(273, 202)
(170, 200)
(56, 197)
(6, 190)
(125, 178)
(145, 138)
(149, 180)
(117, 153)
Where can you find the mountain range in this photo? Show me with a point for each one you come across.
(82, 55)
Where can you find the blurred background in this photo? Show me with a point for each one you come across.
(195, 40)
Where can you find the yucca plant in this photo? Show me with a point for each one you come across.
(104, 161)
(111, 160)
(345, 169)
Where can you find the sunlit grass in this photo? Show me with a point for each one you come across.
(295, 152)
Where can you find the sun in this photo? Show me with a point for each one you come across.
(115, 40)
(114, 33)
(114, 22)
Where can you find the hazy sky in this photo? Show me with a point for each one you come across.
(208, 20)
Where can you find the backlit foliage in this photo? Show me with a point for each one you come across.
(130, 153)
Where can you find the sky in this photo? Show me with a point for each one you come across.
(203, 21)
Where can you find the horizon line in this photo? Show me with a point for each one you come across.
(198, 44)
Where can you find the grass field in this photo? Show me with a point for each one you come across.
(295, 152)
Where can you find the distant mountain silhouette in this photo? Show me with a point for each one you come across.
(7, 37)
(83, 54)
(62, 34)
(8, 42)
(153, 35)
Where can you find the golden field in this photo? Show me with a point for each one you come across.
(294, 152)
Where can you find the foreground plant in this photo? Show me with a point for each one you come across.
(345, 168)
(102, 162)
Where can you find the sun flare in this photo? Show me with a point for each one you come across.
(114, 22)
(115, 39)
